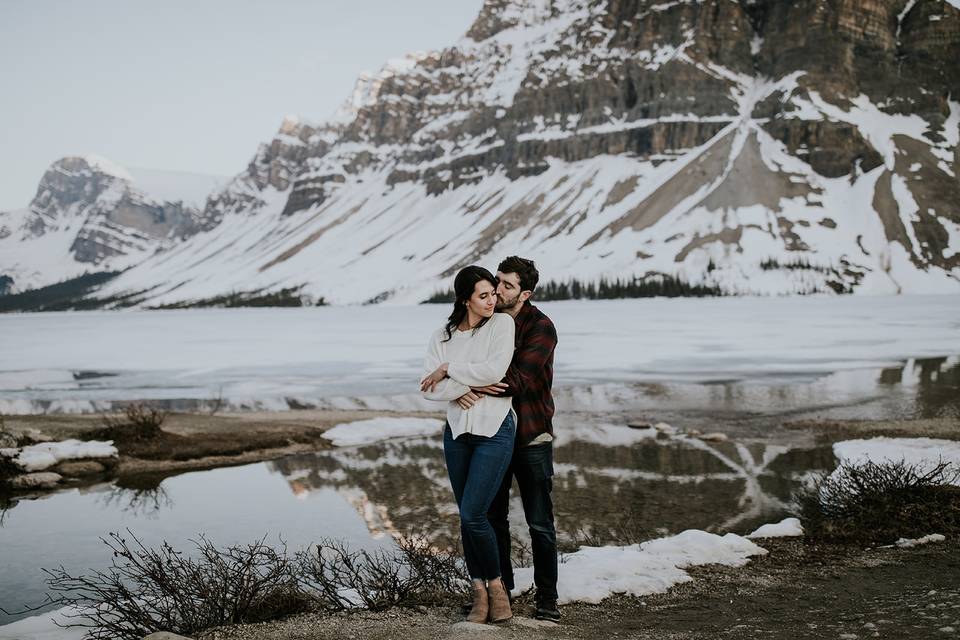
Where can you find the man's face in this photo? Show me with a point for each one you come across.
(509, 293)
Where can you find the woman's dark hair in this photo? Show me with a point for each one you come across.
(463, 287)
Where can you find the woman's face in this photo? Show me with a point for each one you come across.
(484, 299)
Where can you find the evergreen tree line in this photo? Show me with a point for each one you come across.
(664, 285)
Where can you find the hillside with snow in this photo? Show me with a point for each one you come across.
(755, 147)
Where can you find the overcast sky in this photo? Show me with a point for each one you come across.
(188, 85)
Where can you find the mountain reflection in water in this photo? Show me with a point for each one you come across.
(638, 484)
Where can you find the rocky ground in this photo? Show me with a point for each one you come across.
(799, 590)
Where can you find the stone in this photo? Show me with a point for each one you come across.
(165, 635)
(77, 468)
(472, 627)
(39, 480)
(714, 437)
(35, 436)
(532, 623)
(7, 440)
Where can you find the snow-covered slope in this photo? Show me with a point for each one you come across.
(90, 214)
(755, 146)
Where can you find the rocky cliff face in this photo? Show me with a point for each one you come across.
(89, 215)
(756, 146)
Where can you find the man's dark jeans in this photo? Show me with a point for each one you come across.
(533, 468)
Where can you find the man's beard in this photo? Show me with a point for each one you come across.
(508, 304)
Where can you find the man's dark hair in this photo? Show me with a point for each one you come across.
(525, 270)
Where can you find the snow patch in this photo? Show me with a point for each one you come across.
(363, 432)
(788, 527)
(47, 454)
(594, 573)
(906, 543)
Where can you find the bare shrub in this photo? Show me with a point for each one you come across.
(8, 468)
(139, 422)
(162, 589)
(340, 579)
(216, 403)
(881, 502)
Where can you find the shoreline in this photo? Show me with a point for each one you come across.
(195, 442)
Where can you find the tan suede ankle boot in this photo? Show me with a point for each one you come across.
(499, 601)
(481, 607)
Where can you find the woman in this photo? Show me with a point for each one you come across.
(474, 349)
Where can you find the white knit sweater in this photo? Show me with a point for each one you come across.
(476, 359)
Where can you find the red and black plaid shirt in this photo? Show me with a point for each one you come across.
(530, 376)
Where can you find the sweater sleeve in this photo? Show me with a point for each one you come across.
(492, 368)
(447, 389)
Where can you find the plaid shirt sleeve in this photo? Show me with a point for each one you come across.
(535, 346)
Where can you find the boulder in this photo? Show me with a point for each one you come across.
(77, 468)
(39, 480)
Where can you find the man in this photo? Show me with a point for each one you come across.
(528, 381)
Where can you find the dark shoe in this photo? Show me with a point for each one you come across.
(547, 610)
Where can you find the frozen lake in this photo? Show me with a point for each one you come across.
(349, 357)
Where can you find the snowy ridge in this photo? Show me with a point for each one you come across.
(91, 214)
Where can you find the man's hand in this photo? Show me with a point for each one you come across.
(494, 389)
(432, 380)
(467, 400)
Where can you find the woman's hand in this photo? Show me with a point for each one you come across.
(468, 399)
(431, 381)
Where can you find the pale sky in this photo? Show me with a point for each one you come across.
(188, 85)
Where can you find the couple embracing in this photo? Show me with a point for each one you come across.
(492, 363)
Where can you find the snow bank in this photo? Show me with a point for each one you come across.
(594, 573)
(787, 527)
(41, 456)
(924, 452)
(906, 543)
(351, 434)
(608, 435)
(44, 627)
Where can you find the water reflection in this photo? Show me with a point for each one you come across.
(140, 502)
(640, 484)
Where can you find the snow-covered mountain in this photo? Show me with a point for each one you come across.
(756, 146)
(90, 214)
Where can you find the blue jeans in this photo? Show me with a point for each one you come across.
(476, 466)
(533, 468)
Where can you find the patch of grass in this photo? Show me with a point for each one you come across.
(881, 502)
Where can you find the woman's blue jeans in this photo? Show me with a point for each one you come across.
(476, 466)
